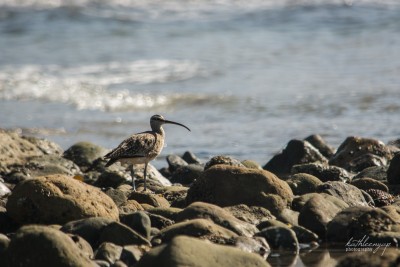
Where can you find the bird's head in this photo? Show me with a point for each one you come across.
(156, 121)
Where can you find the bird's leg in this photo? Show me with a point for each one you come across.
(133, 177)
(144, 174)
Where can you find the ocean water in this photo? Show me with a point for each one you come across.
(245, 76)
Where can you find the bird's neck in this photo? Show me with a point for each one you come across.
(160, 131)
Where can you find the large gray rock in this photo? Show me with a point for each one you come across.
(318, 212)
(44, 246)
(227, 186)
(185, 251)
(357, 153)
(252, 214)
(217, 215)
(222, 160)
(57, 199)
(280, 238)
(296, 152)
(319, 143)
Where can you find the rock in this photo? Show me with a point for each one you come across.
(317, 213)
(44, 246)
(122, 235)
(7, 225)
(373, 221)
(304, 236)
(89, 228)
(299, 202)
(108, 252)
(187, 251)
(47, 165)
(346, 192)
(14, 149)
(264, 224)
(323, 172)
(380, 198)
(4, 243)
(251, 164)
(187, 174)
(82, 245)
(217, 215)
(138, 221)
(117, 196)
(393, 172)
(303, 183)
(130, 206)
(159, 221)
(174, 194)
(4, 190)
(289, 216)
(154, 177)
(357, 153)
(190, 158)
(375, 172)
(227, 186)
(169, 213)
(369, 183)
(223, 160)
(84, 154)
(253, 214)
(296, 152)
(319, 143)
(175, 162)
(393, 211)
(149, 198)
(390, 257)
(205, 229)
(57, 199)
(256, 244)
(112, 177)
(280, 238)
(130, 255)
(338, 227)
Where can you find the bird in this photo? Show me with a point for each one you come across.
(141, 148)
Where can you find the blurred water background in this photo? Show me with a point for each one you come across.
(245, 76)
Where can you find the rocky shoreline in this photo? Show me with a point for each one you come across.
(64, 208)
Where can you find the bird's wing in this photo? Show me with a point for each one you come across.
(138, 145)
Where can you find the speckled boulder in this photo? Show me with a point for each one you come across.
(57, 199)
(44, 246)
(227, 186)
(357, 153)
(222, 160)
(346, 192)
(186, 251)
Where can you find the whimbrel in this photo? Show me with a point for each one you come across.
(141, 148)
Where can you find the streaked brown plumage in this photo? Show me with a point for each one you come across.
(141, 148)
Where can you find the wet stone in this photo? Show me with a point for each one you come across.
(185, 175)
(138, 221)
(108, 252)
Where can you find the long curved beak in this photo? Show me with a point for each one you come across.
(176, 123)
